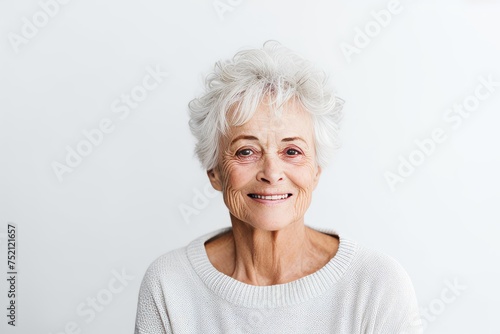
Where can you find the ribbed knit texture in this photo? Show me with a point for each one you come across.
(357, 291)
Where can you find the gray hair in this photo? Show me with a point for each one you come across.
(242, 83)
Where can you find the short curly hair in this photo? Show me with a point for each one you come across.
(239, 85)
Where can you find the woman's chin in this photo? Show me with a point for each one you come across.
(268, 223)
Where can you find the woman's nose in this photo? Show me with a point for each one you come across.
(271, 170)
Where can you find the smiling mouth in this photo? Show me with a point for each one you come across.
(270, 197)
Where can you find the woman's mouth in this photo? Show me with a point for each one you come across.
(274, 197)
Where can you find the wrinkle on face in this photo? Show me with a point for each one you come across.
(269, 243)
(269, 168)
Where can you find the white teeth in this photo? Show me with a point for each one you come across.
(272, 197)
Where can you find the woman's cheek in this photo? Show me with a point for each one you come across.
(305, 185)
(233, 179)
(230, 173)
(235, 204)
(302, 202)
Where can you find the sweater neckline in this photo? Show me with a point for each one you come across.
(270, 296)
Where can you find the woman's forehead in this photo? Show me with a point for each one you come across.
(265, 123)
(267, 115)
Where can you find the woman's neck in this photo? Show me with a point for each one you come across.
(260, 257)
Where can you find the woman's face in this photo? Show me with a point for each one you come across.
(267, 170)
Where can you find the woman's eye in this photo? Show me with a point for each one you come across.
(245, 152)
(292, 151)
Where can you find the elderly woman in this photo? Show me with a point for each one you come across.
(265, 128)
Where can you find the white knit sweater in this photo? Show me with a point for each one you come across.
(357, 291)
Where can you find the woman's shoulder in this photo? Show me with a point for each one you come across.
(362, 257)
(378, 263)
(177, 263)
(166, 265)
(384, 290)
(364, 264)
(379, 271)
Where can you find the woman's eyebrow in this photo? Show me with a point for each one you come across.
(293, 139)
(247, 137)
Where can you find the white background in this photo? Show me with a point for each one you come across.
(120, 208)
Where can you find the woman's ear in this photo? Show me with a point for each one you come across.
(214, 177)
(316, 177)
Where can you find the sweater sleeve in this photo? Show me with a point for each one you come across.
(394, 301)
(152, 316)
